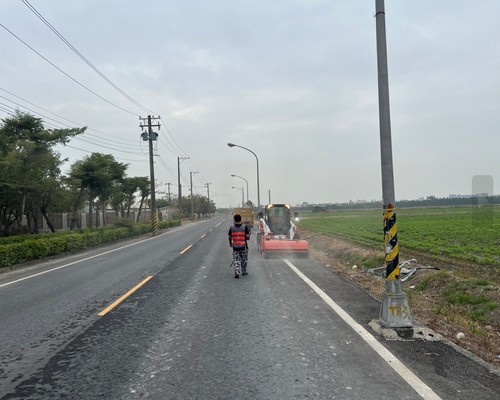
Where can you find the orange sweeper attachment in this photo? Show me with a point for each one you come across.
(279, 234)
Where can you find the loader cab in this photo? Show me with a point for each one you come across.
(277, 217)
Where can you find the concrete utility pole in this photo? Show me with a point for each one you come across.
(150, 136)
(395, 310)
(207, 185)
(179, 159)
(169, 196)
(191, 173)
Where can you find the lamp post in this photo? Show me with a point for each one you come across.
(237, 176)
(242, 195)
(257, 158)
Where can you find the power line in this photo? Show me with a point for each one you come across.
(54, 126)
(100, 140)
(97, 142)
(180, 150)
(6, 105)
(100, 144)
(57, 115)
(119, 147)
(82, 57)
(90, 152)
(8, 112)
(33, 111)
(174, 146)
(66, 74)
(167, 147)
(172, 137)
(169, 170)
(172, 142)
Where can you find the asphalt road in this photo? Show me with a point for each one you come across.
(289, 330)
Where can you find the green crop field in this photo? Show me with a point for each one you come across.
(464, 234)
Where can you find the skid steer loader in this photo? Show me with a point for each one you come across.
(279, 235)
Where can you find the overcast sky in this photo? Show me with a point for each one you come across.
(295, 81)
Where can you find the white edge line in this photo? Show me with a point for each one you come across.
(74, 262)
(414, 381)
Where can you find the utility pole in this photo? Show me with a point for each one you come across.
(169, 197)
(395, 310)
(150, 136)
(191, 173)
(269, 196)
(179, 159)
(207, 185)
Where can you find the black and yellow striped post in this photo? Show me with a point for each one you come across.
(394, 311)
(154, 223)
(391, 243)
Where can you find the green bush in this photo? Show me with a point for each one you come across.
(20, 249)
(74, 242)
(124, 223)
(10, 254)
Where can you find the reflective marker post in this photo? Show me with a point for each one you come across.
(395, 311)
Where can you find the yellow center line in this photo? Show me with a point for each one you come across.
(121, 299)
(186, 249)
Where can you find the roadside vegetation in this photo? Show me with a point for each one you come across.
(459, 293)
(24, 248)
(33, 186)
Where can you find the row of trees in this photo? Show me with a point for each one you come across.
(33, 186)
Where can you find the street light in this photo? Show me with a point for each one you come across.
(237, 176)
(242, 195)
(258, 184)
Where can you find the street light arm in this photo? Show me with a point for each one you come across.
(237, 176)
(242, 195)
(237, 145)
(257, 158)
